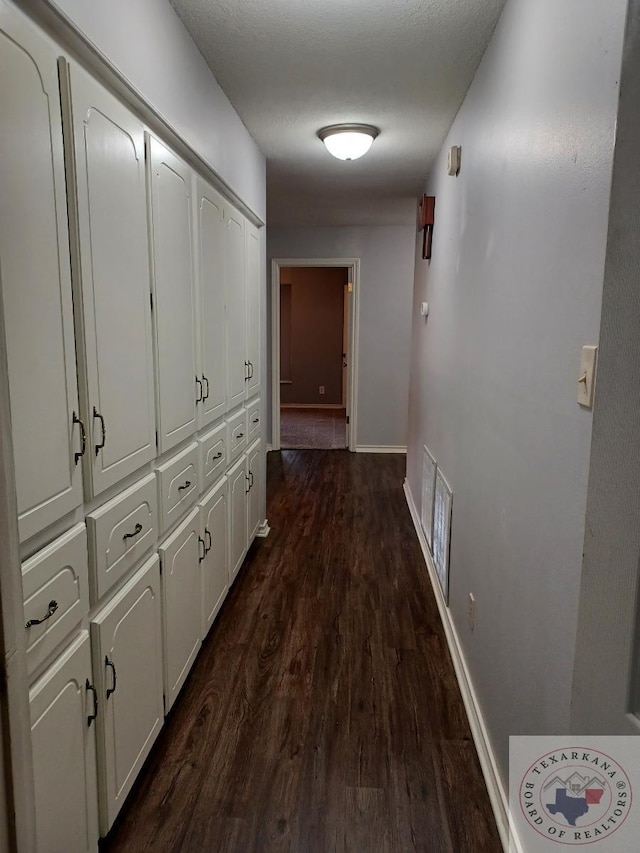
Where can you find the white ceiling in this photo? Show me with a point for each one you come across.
(290, 67)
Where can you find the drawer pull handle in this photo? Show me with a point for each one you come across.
(248, 489)
(199, 394)
(83, 439)
(184, 486)
(255, 421)
(90, 687)
(53, 606)
(218, 455)
(246, 371)
(204, 549)
(137, 529)
(251, 483)
(109, 663)
(239, 436)
(103, 430)
(207, 534)
(250, 364)
(205, 395)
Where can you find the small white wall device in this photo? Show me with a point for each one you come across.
(453, 160)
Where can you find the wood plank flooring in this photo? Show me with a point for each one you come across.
(322, 713)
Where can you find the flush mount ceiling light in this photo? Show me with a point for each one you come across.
(348, 141)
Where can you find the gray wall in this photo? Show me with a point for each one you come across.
(314, 343)
(609, 591)
(386, 273)
(515, 288)
(167, 70)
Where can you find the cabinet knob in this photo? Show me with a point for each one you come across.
(90, 688)
(97, 416)
(136, 530)
(53, 606)
(83, 439)
(111, 665)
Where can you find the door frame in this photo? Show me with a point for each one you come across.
(353, 267)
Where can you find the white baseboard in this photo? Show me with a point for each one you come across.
(497, 795)
(263, 529)
(269, 448)
(311, 406)
(383, 448)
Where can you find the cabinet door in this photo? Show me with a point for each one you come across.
(215, 565)
(254, 471)
(174, 296)
(238, 489)
(211, 288)
(35, 279)
(254, 308)
(127, 648)
(114, 266)
(64, 760)
(237, 370)
(180, 555)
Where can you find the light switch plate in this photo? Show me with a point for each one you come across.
(587, 376)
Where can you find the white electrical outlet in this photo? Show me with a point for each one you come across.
(321, 389)
(472, 611)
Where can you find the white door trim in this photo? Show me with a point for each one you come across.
(353, 266)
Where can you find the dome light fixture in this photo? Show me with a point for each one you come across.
(348, 141)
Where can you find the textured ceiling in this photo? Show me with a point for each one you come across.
(290, 67)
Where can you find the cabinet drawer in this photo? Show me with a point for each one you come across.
(237, 434)
(213, 455)
(178, 482)
(120, 533)
(254, 419)
(55, 591)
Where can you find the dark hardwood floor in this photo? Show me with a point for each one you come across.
(322, 713)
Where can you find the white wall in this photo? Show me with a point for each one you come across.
(608, 621)
(515, 288)
(167, 70)
(386, 274)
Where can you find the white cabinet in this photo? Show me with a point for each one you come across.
(235, 289)
(62, 708)
(254, 289)
(238, 490)
(210, 266)
(255, 474)
(115, 297)
(179, 388)
(214, 565)
(55, 587)
(127, 653)
(35, 279)
(180, 557)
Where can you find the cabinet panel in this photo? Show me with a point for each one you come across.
(64, 760)
(114, 265)
(35, 280)
(238, 489)
(254, 470)
(120, 534)
(127, 645)
(214, 566)
(237, 371)
(178, 485)
(213, 455)
(211, 284)
(55, 581)
(254, 308)
(180, 555)
(174, 295)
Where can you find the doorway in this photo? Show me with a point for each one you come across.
(313, 353)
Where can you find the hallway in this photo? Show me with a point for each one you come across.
(322, 713)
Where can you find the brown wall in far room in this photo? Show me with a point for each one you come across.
(311, 334)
